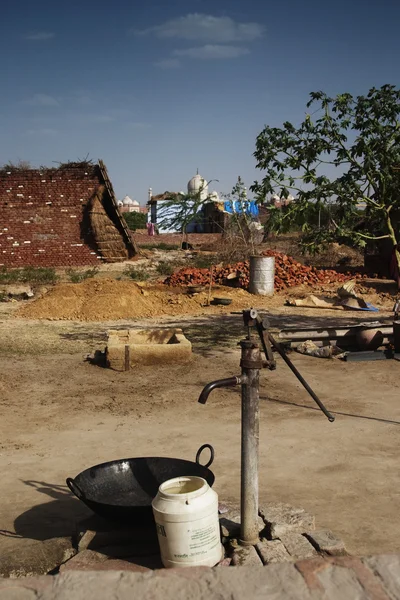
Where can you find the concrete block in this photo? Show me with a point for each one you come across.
(273, 551)
(338, 582)
(88, 560)
(387, 569)
(325, 541)
(20, 557)
(281, 519)
(337, 578)
(230, 521)
(244, 556)
(147, 347)
(298, 546)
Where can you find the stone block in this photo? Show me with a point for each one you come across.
(325, 541)
(244, 556)
(230, 522)
(281, 519)
(22, 557)
(147, 347)
(16, 290)
(88, 560)
(273, 551)
(298, 546)
(387, 569)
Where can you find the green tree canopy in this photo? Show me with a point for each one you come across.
(345, 153)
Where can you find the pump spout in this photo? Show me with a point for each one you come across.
(220, 383)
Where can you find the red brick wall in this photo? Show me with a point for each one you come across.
(41, 217)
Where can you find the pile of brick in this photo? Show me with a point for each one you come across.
(288, 273)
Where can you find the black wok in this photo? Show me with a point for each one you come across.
(122, 490)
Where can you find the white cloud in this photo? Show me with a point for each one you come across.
(168, 63)
(40, 36)
(206, 28)
(42, 100)
(211, 51)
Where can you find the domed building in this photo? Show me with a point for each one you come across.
(208, 219)
(129, 205)
(198, 184)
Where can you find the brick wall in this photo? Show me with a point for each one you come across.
(41, 217)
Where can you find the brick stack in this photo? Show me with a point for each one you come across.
(41, 217)
(288, 273)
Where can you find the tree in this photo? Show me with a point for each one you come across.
(242, 224)
(345, 157)
(135, 220)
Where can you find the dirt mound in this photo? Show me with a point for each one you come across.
(109, 300)
(288, 273)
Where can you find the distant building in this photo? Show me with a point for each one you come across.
(213, 216)
(211, 220)
(278, 202)
(128, 205)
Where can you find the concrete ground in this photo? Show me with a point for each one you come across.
(61, 414)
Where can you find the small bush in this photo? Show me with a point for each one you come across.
(165, 268)
(38, 275)
(79, 276)
(137, 274)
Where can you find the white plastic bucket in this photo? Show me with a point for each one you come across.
(186, 515)
(262, 275)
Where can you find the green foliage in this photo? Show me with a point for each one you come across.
(79, 276)
(348, 154)
(135, 220)
(165, 268)
(137, 274)
(33, 275)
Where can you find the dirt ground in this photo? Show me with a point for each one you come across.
(61, 414)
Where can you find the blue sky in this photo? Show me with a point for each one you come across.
(158, 89)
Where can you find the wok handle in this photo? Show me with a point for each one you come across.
(75, 489)
(200, 450)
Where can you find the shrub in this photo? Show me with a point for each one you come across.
(165, 268)
(137, 274)
(135, 220)
(28, 275)
(78, 276)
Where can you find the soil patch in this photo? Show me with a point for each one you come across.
(108, 299)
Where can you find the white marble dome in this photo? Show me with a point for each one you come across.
(127, 201)
(196, 184)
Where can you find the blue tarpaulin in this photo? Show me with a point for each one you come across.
(249, 207)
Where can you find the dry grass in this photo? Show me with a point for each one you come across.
(108, 239)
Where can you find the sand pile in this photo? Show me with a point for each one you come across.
(109, 300)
